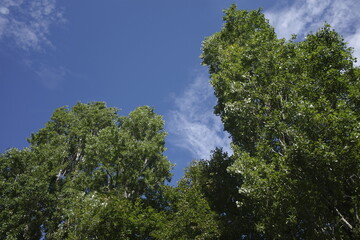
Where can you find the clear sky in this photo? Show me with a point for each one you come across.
(131, 53)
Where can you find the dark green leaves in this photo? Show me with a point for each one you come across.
(289, 107)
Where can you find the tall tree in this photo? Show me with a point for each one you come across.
(292, 109)
(85, 155)
(220, 188)
(188, 215)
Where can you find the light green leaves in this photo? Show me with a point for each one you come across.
(290, 109)
(86, 164)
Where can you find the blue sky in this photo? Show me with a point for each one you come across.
(132, 53)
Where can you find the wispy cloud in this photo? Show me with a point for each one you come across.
(27, 23)
(47, 75)
(303, 16)
(50, 76)
(192, 123)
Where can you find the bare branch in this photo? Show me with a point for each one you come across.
(343, 219)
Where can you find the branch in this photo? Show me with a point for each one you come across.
(339, 213)
(277, 152)
(343, 219)
(282, 144)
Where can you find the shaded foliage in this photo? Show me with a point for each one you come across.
(291, 108)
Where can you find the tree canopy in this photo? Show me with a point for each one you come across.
(292, 108)
(85, 163)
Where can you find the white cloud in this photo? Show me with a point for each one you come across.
(193, 125)
(303, 16)
(27, 23)
(4, 10)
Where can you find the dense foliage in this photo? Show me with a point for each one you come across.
(85, 174)
(292, 110)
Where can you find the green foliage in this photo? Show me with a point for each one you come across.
(188, 216)
(85, 164)
(292, 109)
(221, 190)
(105, 216)
(25, 196)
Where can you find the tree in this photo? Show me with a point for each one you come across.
(25, 196)
(85, 155)
(106, 216)
(292, 109)
(188, 215)
(220, 188)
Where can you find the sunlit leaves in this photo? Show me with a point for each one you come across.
(290, 109)
(87, 174)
